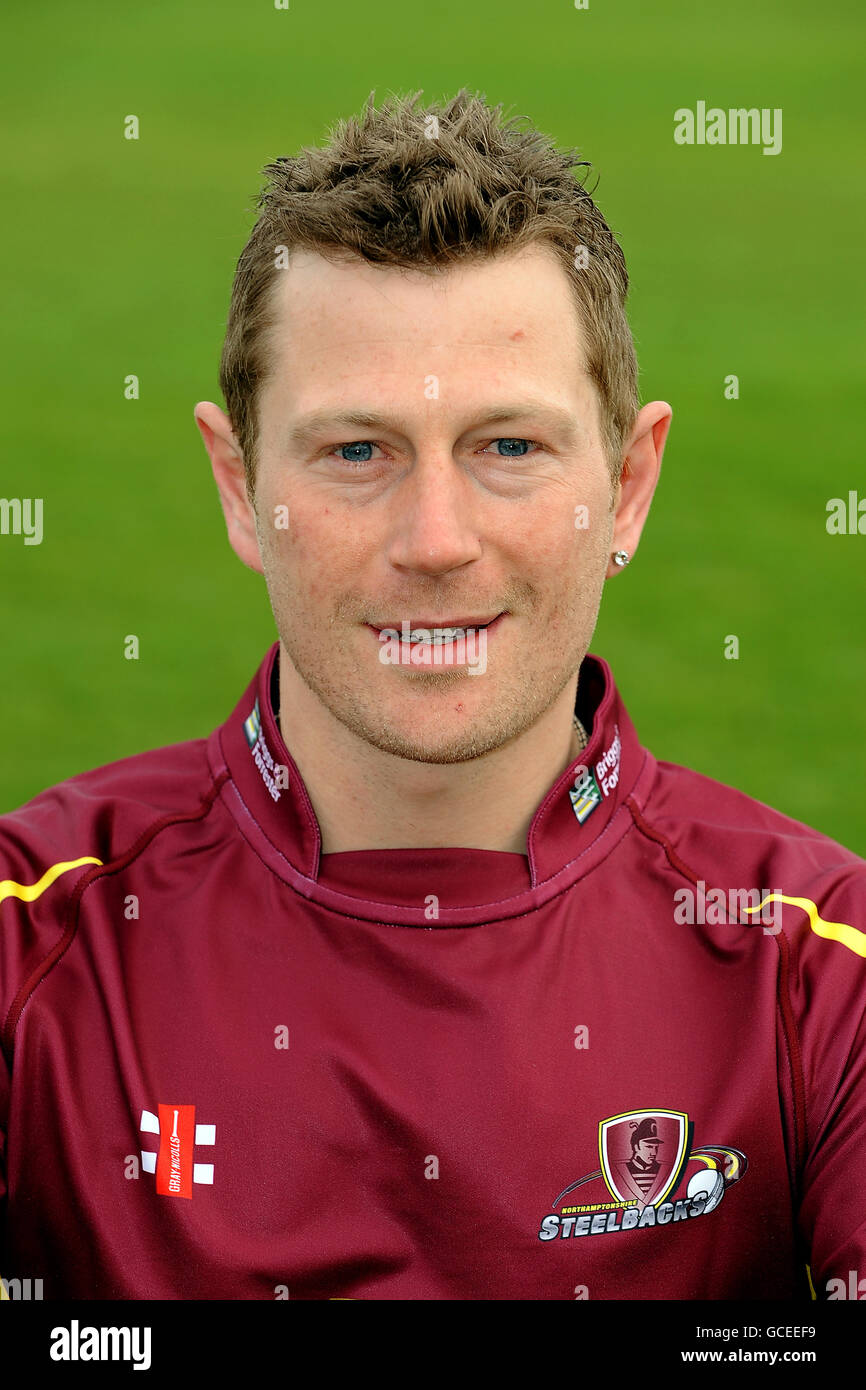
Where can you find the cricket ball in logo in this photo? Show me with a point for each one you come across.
(643, 1154)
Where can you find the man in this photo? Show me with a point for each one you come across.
(643, 1167)
(332, 1003)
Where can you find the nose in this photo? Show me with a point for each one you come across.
(435, 515)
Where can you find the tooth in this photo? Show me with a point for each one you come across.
(438, 635)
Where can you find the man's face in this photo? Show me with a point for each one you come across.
(433, 513)
(648, 1150)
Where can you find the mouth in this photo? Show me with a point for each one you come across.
(446, 642)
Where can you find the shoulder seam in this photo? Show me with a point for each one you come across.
(658, 838)
(795, 1059)
(58, 950)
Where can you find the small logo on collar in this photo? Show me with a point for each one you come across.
(585, 795)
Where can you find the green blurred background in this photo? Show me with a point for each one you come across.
(119, 257)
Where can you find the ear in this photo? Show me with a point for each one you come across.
(642, 460)
(227, 462)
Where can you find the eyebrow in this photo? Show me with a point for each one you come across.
(318, 421)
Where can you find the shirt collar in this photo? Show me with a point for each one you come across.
(577, 822)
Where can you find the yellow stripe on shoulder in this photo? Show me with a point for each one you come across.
(27, 892)
(842, 932)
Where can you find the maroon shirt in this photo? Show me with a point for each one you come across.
(233, 1067)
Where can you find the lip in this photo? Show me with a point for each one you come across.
(440, 623)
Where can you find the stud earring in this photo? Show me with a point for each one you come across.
(621, 558)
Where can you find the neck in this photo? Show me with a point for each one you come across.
(365, 798)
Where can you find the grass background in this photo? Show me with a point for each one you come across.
(119, 258)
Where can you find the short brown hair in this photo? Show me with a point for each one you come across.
(425, 187)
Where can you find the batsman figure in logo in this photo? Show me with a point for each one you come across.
(643, 1154)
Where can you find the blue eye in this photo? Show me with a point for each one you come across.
(359, 444)
(523, 445)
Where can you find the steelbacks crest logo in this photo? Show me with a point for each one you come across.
(644, 1155)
